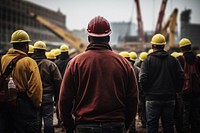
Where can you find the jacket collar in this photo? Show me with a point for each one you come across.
(99, 46)
(15, 52)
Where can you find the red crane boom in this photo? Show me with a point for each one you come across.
(160, 18)
(140, 23)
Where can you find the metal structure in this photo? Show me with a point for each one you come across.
(171, 23)
(160, 18)
(68, 37)
(140, 23)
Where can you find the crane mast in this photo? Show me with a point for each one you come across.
(68, 37)
(140, 23)
(160, 18)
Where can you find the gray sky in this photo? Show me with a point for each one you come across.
(80, 12)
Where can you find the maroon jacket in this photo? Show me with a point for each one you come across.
(98, 86)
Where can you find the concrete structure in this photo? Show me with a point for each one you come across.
(189, 30)
(120, 30)
(14, 15)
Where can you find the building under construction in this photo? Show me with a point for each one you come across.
(14, 15)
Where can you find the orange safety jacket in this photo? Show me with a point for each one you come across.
(25, 75)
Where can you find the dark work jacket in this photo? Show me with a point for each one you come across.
(62, 62)
(102, 85)
(161, 76)
(190, 58)
(50, 74)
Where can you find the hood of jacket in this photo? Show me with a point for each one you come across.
(160, 54)
(38, 57)
(15, 52)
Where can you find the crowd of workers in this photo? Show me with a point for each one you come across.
(101, 91)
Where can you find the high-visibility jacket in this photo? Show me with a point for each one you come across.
(26, 75)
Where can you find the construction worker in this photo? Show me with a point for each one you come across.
(161, 77)
(30, 50)
(50, 56)
(57, 53)
(141, 105)
(51, 79)
(26, 77)
(142, 57)
(61, 63)
(150, 51)
(131, 57)
(99, 88)
(191, 97)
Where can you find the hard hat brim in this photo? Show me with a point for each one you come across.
(99, 35)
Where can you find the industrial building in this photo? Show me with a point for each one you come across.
(190, 30)
(14, 15)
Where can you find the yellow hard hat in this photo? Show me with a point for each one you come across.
(174, 54)
(179, 54)
(124, 54)
(19, 36)
(40, 45)
(57, 52)
(30, 49)
(158, 39)
(184, 42)
(150, 51)
(50, 55)
(133, 56)
(143, 56)
(64, 48)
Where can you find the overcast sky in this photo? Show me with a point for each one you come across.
(80, 12)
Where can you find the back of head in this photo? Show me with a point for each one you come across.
(39, 47)
(99, 27)
(185, 44)
(158, 41)
(143, 56)
(20, 36)
(20, 40)
(64, 48)
(133, 56)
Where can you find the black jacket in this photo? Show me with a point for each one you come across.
(62, 62)
(161, 76)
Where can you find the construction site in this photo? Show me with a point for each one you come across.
(45, 24)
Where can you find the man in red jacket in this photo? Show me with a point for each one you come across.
(99, 88)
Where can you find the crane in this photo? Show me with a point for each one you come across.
(171, 23)
(68, 37)
(160, 18)
(140, 23)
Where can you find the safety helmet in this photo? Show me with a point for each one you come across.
(150, 51)
(30, 49)
(174, 54)
(179, 54)
(64, 48)
(99, 27)
(40, 45)
(57, 52)
(158, 39)
(19, 36)
(124, 54)
(50, 55)
(133, 56)
(143, 56)
(184, 42)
